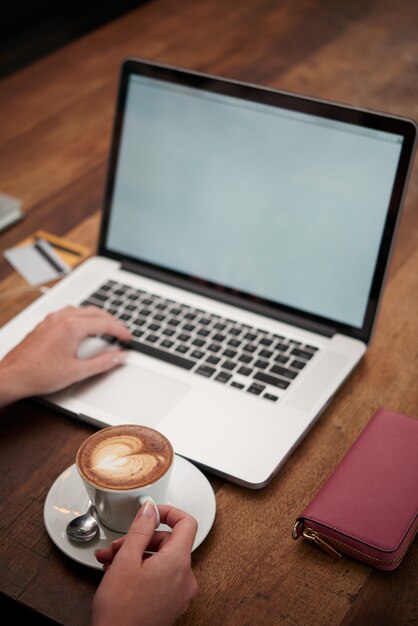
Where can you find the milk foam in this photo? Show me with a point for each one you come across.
(124, 457)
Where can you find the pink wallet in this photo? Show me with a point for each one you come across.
(368, 507)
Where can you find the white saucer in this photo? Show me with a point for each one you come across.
(189, 490)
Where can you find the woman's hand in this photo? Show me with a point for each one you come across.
(46, 360)
(141, 589)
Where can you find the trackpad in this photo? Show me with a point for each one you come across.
(130, 392)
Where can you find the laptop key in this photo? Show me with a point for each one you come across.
(89, 303)
(197, 354)
(283, 371)
(214, 347)
(262, 365)
(183, 337)
(303, 354)
(205, 370)
(272, 380)
(228, 365)
(299, 365)
(168, 357)
(270, 396)
(281, 359)
(282, 347)
(223, 377)
(237, 385)
(100, 296)
(256, 389)
(108, 338)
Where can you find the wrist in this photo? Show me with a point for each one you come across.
(11, 388)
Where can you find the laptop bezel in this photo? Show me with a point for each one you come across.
(295, 102)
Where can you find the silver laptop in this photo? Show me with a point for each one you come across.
(245, 240)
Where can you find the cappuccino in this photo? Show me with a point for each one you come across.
(124, 457)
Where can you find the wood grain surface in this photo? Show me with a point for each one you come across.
(55, 126)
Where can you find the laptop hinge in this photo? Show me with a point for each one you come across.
(233, 300)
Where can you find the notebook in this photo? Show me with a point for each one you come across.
(245, 238)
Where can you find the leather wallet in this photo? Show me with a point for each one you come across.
(368, 507)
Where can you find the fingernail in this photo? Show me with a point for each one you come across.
(118, 358)
(148, 509)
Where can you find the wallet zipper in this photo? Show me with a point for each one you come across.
(324, 542)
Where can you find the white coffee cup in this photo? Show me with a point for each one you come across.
(122, 467)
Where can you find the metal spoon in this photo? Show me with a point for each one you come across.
(84, 527)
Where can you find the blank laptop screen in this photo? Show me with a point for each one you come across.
(279, 204)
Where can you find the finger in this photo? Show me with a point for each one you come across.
(91, 309)
(106, 555)
(141, 531)
(184, 527)
(159, 538)
(103, 362)
(114, 547)
(101, 324)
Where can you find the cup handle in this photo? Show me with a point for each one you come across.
(143, 499)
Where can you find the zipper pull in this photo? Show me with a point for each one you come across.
(311, 535)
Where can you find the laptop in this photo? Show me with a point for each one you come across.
(245, 238)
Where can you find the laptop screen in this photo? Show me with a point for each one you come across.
(283, 205)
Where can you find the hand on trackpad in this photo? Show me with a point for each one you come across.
(91, 346)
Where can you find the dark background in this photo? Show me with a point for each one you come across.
(30, 30)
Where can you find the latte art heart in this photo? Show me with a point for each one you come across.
(124, 457)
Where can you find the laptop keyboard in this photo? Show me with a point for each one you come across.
(241, 356)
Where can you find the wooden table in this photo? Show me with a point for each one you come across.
(55, 124)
